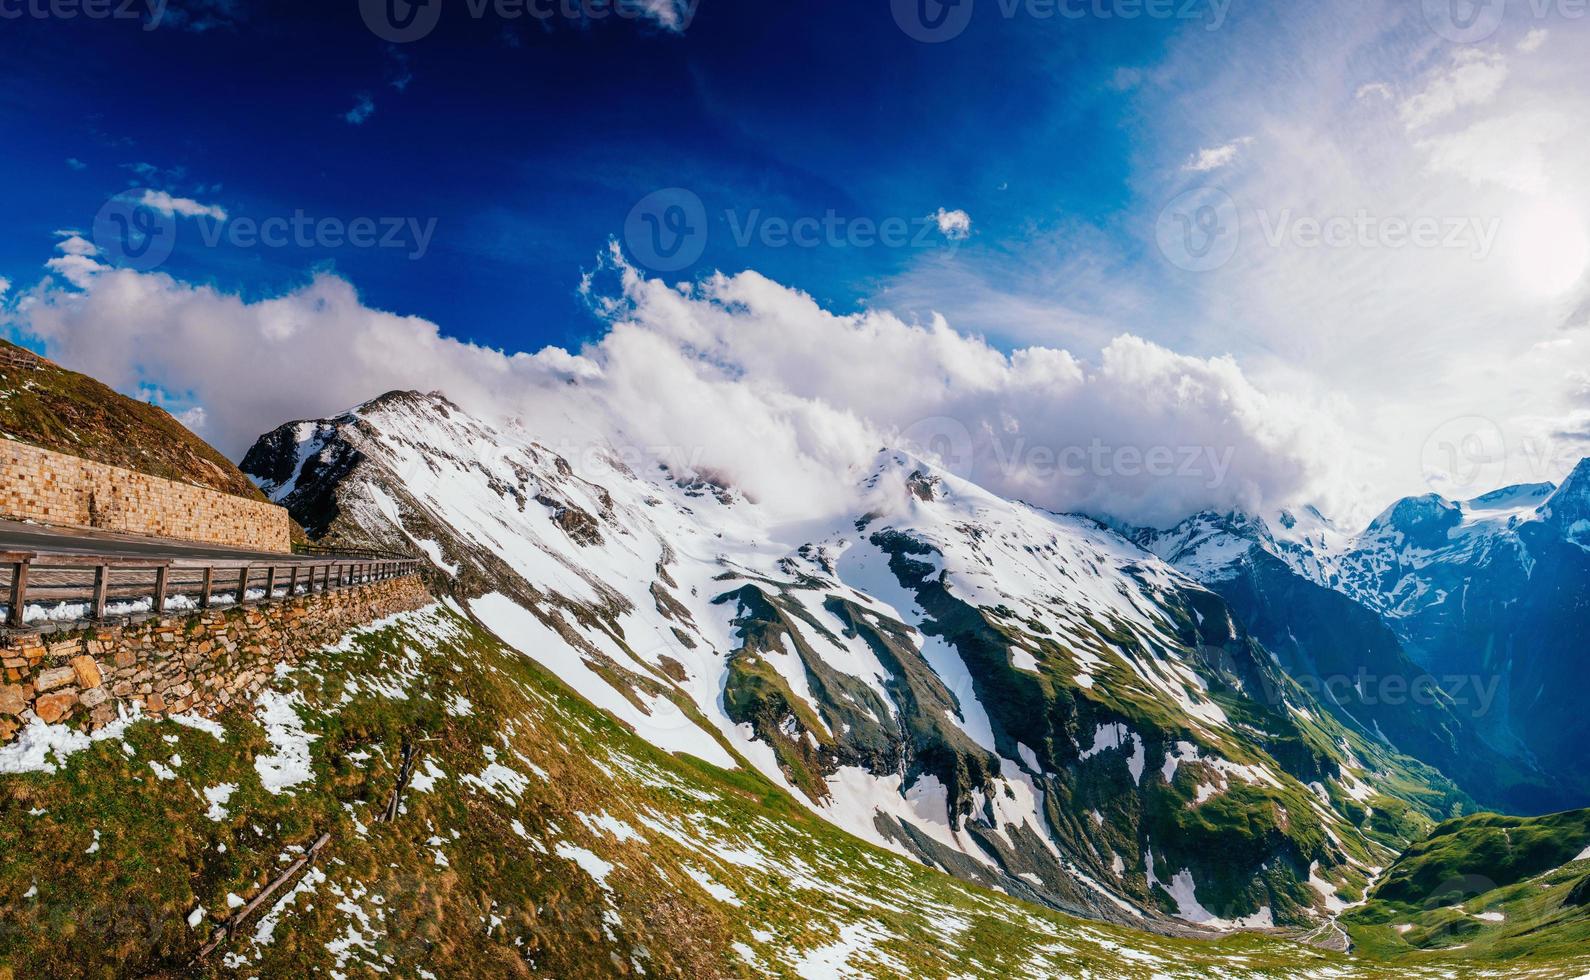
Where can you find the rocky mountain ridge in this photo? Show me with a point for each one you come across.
(1484, 597)
(1026, 700)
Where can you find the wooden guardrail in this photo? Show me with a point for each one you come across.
(331, 551)
(102, 583)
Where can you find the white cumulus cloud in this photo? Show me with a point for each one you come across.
(187, 207)
(954, 225)
(736, 376)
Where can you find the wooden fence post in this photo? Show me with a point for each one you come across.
(242, 586)
(101, 589)
(19, 592)
(204, 595)
(160, 590)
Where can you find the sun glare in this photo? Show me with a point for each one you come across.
(1549, 247)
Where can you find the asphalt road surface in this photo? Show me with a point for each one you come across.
(17, 536)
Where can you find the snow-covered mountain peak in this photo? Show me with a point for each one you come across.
(1520, 497)
(1568, 507)
(1001, 691)
(1424, 521)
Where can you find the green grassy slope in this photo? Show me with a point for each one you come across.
(1488, 888)
(43, 404)
(536, 837)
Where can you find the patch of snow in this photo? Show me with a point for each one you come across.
(672, 732)
(424, 781)
(711, 887)
(43, 748)
(612, 825)
(217, 797)
(1326, 890)
(588, 862)
(288, 764)
(199, 723)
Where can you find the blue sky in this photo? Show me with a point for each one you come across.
(529, 145)
(1218, 179)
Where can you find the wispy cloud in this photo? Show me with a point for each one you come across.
(363, 108)
(1373, 128)
(1216, 157)
(187, 207)
(671, 15)
(398, 73)
(1473, 78)
(1533, 41)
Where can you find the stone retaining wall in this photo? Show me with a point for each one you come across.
(53, 488)
(200, 662)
